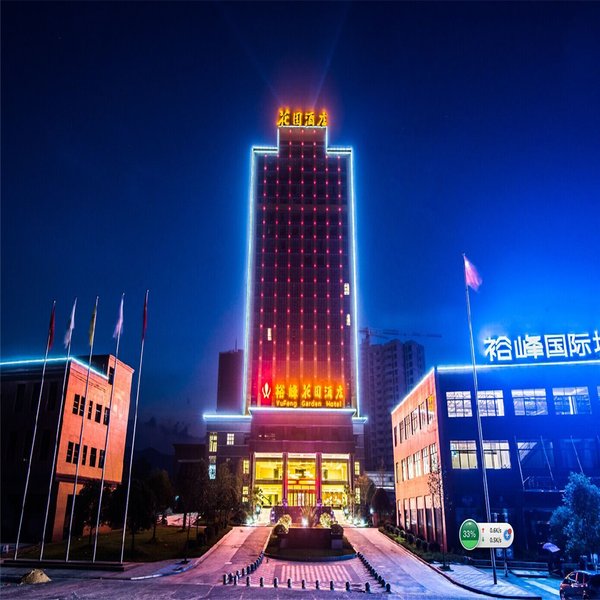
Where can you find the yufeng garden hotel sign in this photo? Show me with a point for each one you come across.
(303, 395)
(549, 347)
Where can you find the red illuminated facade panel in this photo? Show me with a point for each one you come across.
(301, 317)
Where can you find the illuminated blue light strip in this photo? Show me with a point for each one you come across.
(417, 386)
(454, 368)
(226, 417)
(32, 361)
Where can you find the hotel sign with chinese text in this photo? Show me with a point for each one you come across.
(301, 118)
(542, 348)
(303, 395)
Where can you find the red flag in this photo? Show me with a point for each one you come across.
(145, 317)
(51, 327)
(472, 277)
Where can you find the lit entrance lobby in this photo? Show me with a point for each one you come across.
(292, 479)
(305, 457)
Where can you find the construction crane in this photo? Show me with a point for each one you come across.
(369, 332)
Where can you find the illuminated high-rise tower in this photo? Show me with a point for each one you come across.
(301, 342)
(299, 439)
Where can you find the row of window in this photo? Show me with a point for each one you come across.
(73, 455)
(526, 402)
(79, 409)
(422, 462)
(418, 419)
(213, 443)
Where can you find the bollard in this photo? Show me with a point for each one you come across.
(230, 577)
(388, 588)
(275, 582)
(289, 582)
(247, 581)
(380, 579)
(347, 586)
(262, 582)
(331, 585)
(317, 585)
(367, 588)
(224, 578)
(235, 579)
(237, 573)
(243, 572)
(304, 584)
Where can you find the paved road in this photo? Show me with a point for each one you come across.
(406, 574)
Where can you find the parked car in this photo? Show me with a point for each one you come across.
(580, 584)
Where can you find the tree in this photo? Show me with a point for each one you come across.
(162, 492)
(86, 507)
(367, 489)
(140, 514)
(380, 503)
(435, 483)
(578, 516)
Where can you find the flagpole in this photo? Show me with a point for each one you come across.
(85, 406)
(137, 397)
(58, 424)
(49, 341)
(486, 494)
(112, 394)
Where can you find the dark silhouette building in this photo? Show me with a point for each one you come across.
(230, 381)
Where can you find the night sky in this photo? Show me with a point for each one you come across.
(126, 135)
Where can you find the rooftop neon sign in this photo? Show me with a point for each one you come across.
(561, 346)
(301, 118)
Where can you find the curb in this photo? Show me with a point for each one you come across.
(193, 564)
(458, 583)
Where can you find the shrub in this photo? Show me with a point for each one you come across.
(286, 520)
(402, 533)
(337, 530)
(418, 542)
(424, 546)
(280, 529)
(434, 547)
(325, 520)
(410, 538)
(209, 532)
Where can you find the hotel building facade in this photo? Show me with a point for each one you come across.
(298, 439)
(540, 422)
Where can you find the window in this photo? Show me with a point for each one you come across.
(433, 456)
(76, 402)
(464, 454)
(459, 404)
(269, 334)
(35, 396)
(395, 436)
(348, 320)
(572, 401)
(106, 415)
(230, 439)
(76, 453)
(357, 468)
(497, 455)
(244, 493)
(414, 418)
(423, 415)
(411, 466)
(90, 406)
(535, 454)
(346, 289)
(426, 464)
(212, 442)
(84, 455)
(407, 427)
(98, 416)
(490, 403)
(70, 447)
(430, 408)
(418, 466)
(93, 453)
(245, 467)
(404, 469)
(530, 403)
(401, 428)
(397, 473)
(212, 467)
(101, 460)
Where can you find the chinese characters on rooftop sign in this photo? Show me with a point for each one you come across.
(575, 346)
(303, 395)
(301, 118)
